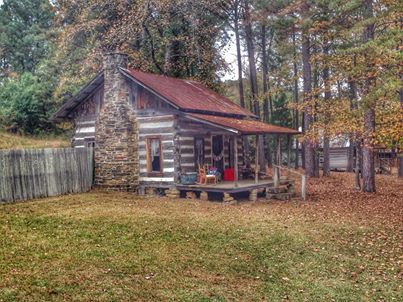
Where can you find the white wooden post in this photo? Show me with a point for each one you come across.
(303, 187)
(278, 163)
(276, 177)
(288, 156)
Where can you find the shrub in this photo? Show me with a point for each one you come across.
(26, 104)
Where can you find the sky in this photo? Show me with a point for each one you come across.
(229, 54)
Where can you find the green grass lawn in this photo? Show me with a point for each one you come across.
(12, 141)
(119, 247)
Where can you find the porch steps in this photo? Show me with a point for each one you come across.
(280, 189)
(280, 196)
(285, 191)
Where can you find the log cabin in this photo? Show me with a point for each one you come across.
(149, 130)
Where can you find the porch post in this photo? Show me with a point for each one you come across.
(289, 156)
(278, 152)
(257, 160)
(278, 162)
(288, 151)
(236, 160)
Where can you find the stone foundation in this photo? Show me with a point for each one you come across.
(172, 193)
(227, 198)
(204, 196)
(253, 195)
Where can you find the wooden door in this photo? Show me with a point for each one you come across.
(199, 152)
(230, 163)
(218, 152)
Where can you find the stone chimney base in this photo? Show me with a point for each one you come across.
(116, 134)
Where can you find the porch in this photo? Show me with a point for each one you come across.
(222, 155)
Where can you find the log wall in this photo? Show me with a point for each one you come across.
(84, 118)
(163, 127)
(33, 173)
(188, 130)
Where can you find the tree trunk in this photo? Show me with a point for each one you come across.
(316, 159)
(353, 139)
(296, 95)
(264, 74)
(339, 90)
(350, 155)
(303, 143)
(245, 141)
(328, 96)
(306, 70)
(266, 116)
(167, 63)
(368, 162)
(251, 58)
(358, 161)
(400, 152)
(253, 75)
(326, 157)
(239, 56)
(316, 149)
(400, 165)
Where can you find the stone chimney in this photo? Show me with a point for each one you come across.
(116, 132)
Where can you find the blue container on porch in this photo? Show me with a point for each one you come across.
(189, 178)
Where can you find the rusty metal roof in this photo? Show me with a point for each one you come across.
(187, 95)
(241, 126)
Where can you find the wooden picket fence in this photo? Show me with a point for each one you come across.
(33, 173)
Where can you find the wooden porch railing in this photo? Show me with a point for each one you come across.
(276, 177)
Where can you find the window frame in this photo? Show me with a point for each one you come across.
(151, 173)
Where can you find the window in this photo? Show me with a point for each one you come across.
(154, 156)
(199, 151)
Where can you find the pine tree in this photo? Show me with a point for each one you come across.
(24, 35)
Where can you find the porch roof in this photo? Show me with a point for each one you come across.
(241, 126)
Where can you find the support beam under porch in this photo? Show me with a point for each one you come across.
(229, 186)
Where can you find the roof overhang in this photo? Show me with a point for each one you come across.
(79, 97)
(241, 126)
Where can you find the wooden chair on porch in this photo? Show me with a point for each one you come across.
(205, 178)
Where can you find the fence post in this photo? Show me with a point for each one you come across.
(303, 187)
(276, 176)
